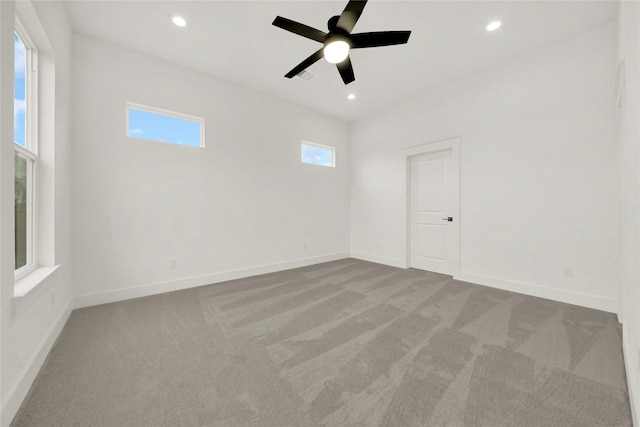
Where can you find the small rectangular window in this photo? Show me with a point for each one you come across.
(316, 154)
(156, 124)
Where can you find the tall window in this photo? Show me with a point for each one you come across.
(25, 151)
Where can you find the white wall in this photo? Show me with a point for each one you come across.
(7, 259)
(245, 201)
(538, 172)
(31, 324)
(629, 52)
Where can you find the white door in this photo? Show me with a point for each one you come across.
(433, 207)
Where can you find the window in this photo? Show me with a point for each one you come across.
(25, 150)
(165, 126)
(316, 154)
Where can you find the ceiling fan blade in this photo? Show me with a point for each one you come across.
(346, 71)
(305, 64)
(299, 29)
(350, 15)
(379, 38)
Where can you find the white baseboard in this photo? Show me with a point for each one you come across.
(393, 262)
(13, 399)
(632, 379)
(192, 282)
(569, 297)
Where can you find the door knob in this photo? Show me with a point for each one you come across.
(449, 218)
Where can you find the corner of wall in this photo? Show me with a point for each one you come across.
(19, 390)
(632, 381)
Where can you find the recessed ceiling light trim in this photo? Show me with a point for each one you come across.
(494, 25)
(351, 96)
(179, 21)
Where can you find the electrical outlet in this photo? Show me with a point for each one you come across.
(567, 271)
(172, 263)
(303, 246)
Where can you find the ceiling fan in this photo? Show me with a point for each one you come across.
(339, 40)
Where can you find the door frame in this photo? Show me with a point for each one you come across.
(449, 144)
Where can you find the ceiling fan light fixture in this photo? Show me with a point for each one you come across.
(336, 51)
(339, 40)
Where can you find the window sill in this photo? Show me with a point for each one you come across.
(28, 285)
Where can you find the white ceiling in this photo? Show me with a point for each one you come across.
(235, 41)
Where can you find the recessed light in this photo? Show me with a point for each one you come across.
(351, 96)
(179, 21)
(494, 26)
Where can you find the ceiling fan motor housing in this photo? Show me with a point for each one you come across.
(336, 33)
(338, 37)
(332, 23)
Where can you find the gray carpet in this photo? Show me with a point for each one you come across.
(337, 344)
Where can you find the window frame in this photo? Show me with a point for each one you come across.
(30, 151)
(313, 144)
(169, 113)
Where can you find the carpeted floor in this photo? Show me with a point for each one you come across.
(338, 344)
